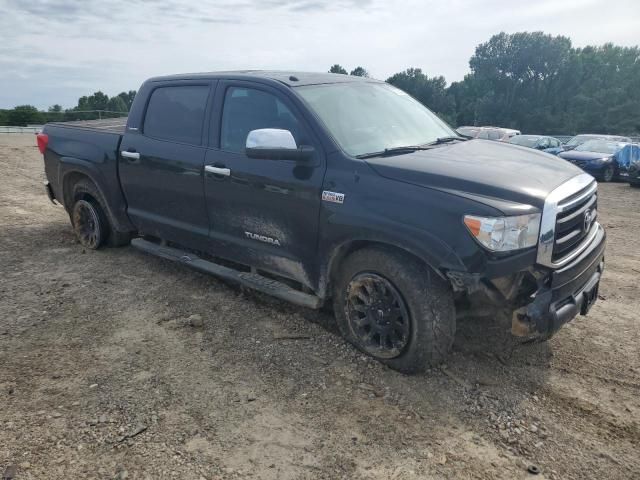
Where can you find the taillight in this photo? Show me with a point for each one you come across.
(43, 140)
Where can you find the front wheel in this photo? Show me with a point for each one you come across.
(608, 173)
(394, 308)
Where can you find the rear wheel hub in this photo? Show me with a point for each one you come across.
(87, 224)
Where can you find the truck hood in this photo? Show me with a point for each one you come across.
(494, 173)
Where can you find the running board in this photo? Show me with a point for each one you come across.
(251, 280)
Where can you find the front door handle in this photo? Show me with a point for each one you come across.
(225, 172)
(130, 155)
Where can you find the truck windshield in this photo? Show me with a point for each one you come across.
(371, 117)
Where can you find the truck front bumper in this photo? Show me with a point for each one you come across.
(570, 291)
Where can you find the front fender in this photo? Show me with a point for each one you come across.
(348, 234)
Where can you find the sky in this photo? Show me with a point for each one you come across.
(54, 51)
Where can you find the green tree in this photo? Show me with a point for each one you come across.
(96, 101)
(431, 92)
(24, 115)
(540, 84)
(337, 69)
(55, 108)
(359, 72)
(513, 79)
(128, 97)
(117, 104)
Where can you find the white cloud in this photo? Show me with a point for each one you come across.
(54, 51)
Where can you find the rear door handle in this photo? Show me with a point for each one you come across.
(225, 172)
(130, 155)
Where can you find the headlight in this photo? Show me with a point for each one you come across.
(502, 234)
(604, 159)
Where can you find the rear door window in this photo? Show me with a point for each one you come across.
(177, 113)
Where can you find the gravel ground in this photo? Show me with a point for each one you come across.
(115, 364)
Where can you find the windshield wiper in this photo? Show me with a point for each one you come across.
(447, 140)
(394, 151)
(411, 148)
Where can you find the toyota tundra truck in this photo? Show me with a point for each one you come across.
(342, 191)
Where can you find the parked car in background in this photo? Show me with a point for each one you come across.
(471, 132)
(597, 157)
(497, 134)
(512, 131)
(629, 163)
(633, 175)
(582, 138)
(539, 142)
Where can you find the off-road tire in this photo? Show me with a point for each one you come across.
(85, 189)
(427, 297)
(89, 223)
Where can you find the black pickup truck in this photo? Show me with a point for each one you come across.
(342, 191)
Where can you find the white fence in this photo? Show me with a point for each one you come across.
(29, 129)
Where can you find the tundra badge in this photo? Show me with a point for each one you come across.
(262, 238)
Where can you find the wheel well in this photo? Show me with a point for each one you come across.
(117, 227)
(67, 188)
(344, 251)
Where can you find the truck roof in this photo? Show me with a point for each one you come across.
(290, 78)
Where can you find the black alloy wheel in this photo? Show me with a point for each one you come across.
(378, 316)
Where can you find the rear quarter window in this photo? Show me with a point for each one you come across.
(176, 114)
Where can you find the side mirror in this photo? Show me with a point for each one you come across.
(275, 144)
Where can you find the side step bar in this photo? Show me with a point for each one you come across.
(251, 280)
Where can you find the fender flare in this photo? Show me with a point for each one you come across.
(430, 250)
(70, 166)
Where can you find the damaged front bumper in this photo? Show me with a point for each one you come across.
(536, 301)
(571, 291)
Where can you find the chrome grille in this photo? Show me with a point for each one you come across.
(568, 223)
(575, 218)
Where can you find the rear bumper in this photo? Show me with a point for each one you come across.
(571, 291)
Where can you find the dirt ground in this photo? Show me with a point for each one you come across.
(116, 364)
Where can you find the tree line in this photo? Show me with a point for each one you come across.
(532, 81)
(91, 107)
(537, 83)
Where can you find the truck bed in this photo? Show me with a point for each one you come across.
(112, 125)
(90, 148)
